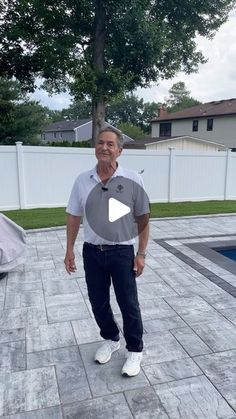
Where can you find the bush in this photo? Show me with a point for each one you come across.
(66, 143)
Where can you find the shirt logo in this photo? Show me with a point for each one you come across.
(119, 188)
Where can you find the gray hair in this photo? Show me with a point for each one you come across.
(118, 133)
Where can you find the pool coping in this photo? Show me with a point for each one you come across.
(209, 250)
(206, 249)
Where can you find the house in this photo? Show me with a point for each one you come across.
(181, 143)
(72, 131)
(213, 121)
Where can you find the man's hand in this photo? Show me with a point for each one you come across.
(139, 263)
(69, 261)
(73, 223)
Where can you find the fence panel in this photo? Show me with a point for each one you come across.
(51, 172)
(9, 187)
(33, 177)
(199, 176)
(232, 177)
(154, 170)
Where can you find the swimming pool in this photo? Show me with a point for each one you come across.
(229, 253)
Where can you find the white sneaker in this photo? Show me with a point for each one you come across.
(105, 351)
(132, 364)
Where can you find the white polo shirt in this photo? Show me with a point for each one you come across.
(83, 185)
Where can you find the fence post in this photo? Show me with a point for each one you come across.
(227, 173)
(20, 173)
(170, 175)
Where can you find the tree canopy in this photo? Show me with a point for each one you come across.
(79, 109)
(20, 118)
(132, 130)
(130, 109)
(180, 98)
(102, 48)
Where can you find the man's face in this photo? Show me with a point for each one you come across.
(107, 149)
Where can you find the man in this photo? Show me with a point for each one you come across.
(106, 260)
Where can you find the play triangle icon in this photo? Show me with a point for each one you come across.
(116, 210)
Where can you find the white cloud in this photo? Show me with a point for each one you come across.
(55, 102)
(215, 80)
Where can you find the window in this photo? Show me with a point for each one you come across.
(54, 135)
(165, 129)
(195, 125)
(210, 124)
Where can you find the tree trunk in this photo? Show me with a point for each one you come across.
(98, 104)
(98, 115)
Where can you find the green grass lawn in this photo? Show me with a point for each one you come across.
(51, 217)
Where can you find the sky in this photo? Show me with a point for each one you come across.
(215, 80)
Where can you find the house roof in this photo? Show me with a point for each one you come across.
(65, 125)
(179, 137)
(209, 109)
(140, 144)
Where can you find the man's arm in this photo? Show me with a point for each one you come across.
(73, 224)
(143, 235)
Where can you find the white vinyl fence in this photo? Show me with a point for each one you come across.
(34, 177)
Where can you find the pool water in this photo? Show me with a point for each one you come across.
(229, 253)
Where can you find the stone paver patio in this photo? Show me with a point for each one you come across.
(48, 335)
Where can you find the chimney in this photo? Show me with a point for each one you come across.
(161, 111)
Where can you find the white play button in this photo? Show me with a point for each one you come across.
(112, 212)
(116, 210)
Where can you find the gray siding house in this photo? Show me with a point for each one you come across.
(72, 131)
(213, 121)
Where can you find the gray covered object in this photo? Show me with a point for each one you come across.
(12, 244)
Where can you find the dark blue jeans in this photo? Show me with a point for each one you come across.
(116, 264)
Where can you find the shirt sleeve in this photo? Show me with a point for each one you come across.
(75, 204)
(141, 201)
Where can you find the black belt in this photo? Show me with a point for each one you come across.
(104, 247)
